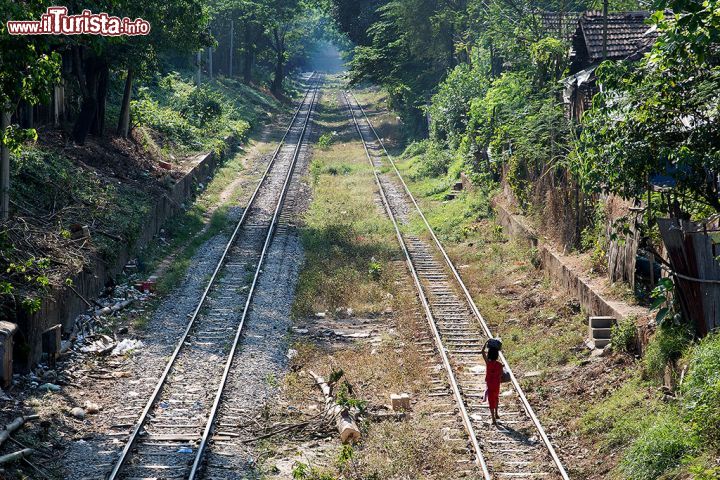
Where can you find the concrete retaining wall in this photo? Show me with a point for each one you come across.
(62, 306)
(562, 274)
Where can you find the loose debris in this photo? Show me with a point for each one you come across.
(85, 337)
(344, 417)
(14, 425)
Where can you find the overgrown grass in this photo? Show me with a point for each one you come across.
(701, 390)
(46, 182)
(659, 449)
(353, 260)
(623, 416)
(347, 239)
(675, 438)
(179, 117)
(667, 346)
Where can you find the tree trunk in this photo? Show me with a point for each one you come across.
(89, 107)
(12, 457)
(14, 425)
(199, 65)
(210, 62)
(124, 121)
(248, 56)
(277, 82)
(4, 166)
(102, 90)
(26, 115)
(232, 47)
(344, 419)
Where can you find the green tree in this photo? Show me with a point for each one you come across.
(28, 71)
(658, 121)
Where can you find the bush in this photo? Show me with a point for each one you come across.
(701, 390)
(202, 106)
(668, 345)
(659, 449)
(165, 121)
(623, 336)
(434, 162)
(415, 149)
(325, 141)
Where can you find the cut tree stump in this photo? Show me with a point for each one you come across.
(344, 420)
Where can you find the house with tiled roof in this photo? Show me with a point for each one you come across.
(628, 37)
(627, 33)
(560, 25)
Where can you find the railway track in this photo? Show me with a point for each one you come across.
(170, 437)
(519, 447)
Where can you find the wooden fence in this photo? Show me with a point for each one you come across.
(692, 254)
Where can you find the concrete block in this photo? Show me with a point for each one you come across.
(601, 342)
(602, 322)
(7, 331)
(603, 333)
(400, 401)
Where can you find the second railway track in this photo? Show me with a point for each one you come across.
(168, 439)
(519, 448)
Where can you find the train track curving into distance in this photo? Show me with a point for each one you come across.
(519, 447)
(170, 437)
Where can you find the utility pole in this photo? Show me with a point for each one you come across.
(4, 166)
(605, 29)
(199, 61)
(210, 65)
(232, 47)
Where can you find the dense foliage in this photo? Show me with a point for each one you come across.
(657, 121)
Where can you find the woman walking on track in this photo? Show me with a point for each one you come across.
(493, 376)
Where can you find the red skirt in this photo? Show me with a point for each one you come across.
(493, 395)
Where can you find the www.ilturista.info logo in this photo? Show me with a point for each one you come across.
(57, 22)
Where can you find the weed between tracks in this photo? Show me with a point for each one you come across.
(355, 310)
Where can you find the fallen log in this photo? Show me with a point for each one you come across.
(11, 457)
(14, 425)
(344, 420)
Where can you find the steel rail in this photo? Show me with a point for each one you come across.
(258, 270)
(471, 302)
(168, 367)
(479, 458)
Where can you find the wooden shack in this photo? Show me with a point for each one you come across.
(628, 37)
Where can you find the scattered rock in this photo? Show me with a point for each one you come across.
(534, 373)
(78, 413)
(50, 387)
(91, 407)
(292, 353)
